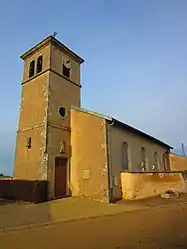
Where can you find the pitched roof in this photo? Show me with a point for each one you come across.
(124, 126)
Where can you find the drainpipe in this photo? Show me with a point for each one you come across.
(109, 160)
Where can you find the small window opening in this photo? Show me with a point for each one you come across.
(31, 68)
(28, 144)
(39, 64)
(62, 112)
(66, 71)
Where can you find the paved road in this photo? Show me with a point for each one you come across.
(154, 228)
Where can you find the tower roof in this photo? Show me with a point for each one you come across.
(51, 40)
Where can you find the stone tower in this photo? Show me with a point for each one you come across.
(51, 84)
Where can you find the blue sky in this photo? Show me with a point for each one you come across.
(135, 61)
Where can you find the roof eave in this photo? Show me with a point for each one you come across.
(54, 41)
(36, 47)
(141, 133)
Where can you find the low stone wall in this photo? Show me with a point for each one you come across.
(178, 162)
(142, 185)
(6, 178)
(24, 190)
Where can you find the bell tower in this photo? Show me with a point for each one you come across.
(51, 84)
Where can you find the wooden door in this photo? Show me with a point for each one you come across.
(60, 177)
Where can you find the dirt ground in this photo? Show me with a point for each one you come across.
(157, 228)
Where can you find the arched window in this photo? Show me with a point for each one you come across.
(155, 163)
(39, 64)
(66, 71)
(66, 67)
(166, 161)
(125, 156)
(31, 68)
(143, 161)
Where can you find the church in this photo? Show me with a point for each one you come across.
(79, 152)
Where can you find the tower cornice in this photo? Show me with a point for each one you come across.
(53, 41)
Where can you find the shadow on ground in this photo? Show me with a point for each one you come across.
(14, 214)
(5, 202)
(154, 201)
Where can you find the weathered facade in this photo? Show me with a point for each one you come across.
(43, 130)
(89, 163)
(79, 152)
(133, 151)
(147, 184)
(105, 144)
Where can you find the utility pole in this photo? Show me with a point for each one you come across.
(183, 149)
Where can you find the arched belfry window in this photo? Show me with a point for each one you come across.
(31, 68)
(66, 67)
(39, 64)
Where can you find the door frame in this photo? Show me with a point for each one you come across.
(67, 174)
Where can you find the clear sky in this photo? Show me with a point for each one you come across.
(135, 66)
